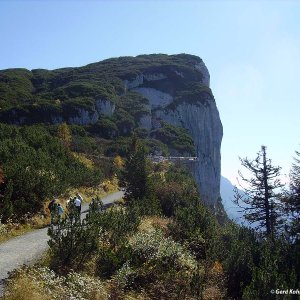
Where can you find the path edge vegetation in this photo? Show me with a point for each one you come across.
(163, 242)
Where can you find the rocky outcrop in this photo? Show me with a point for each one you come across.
(155, 97)
(203, 123)
(83, 117)
(201, 119)
(105, 107)
(139, 80)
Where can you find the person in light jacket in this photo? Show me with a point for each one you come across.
(78, 202)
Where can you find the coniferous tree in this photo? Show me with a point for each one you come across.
(134, 176)
(260, 203)
(292, 200)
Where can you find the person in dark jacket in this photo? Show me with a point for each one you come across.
(53, 208)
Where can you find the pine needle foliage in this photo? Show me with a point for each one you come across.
(261, 203)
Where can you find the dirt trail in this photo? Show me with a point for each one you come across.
(27, 248)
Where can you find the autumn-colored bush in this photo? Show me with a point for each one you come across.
(215, 285)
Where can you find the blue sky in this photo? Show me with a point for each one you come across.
(251, 49)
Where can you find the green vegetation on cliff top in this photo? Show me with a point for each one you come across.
(54, 96)
(101, 80)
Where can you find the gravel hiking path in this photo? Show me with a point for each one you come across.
(27, 248)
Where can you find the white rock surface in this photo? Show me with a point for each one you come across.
(105, 107)
(154, 76)
(84, 117)
(155, 97)
(179, 74)
(139, 80)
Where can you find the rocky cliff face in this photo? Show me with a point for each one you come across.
(77, 115)
(200, 117)
(85, 117)
(204, 125)
(119, 94)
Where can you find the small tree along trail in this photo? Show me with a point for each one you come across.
(27, 248)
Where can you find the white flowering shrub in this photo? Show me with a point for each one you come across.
(154, 248)
(74, 286)
(125, 276)
(155, 258)
(3, 229)
(8, 226)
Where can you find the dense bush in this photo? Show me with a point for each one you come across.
(72, 107)
(237, 248)
(275, 269)
(194, 93)
(118, 146)
(105, 128)
(135, 104)
(82, 88)
(155, 147)
(74, 240)
(124, 121)
(159, 266)
(36, 166)
(195, 226)
(170, 196)
(15, 87)
(177, 138)
(173, 186)
(254, 266)
(117, 225)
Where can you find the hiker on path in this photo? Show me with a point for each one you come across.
(79, 197)
(77, 202)
(53, 208)
(60, 211)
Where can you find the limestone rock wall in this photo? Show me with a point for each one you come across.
(83, 117)
(105, 107)
(139, 80)
(156, 98)
(201, 118)
(204, 125)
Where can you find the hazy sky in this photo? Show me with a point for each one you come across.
(251, 49)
